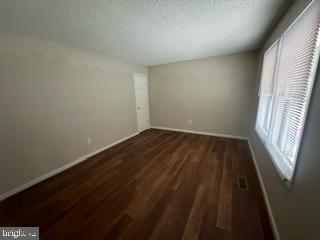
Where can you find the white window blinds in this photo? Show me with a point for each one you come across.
(283, 107)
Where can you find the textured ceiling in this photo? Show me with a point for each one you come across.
(145, 31)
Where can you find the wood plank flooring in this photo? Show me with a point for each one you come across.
(156, 185)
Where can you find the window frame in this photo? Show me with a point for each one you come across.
(267, 138)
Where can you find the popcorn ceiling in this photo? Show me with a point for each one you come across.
(145, 31)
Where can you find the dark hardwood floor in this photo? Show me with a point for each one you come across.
(156, 185)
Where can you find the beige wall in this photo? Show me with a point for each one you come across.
(51, 99)
(296, 210)
(214, 93)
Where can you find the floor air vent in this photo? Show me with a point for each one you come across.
(242, 183)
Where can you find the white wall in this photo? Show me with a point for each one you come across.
(214, 93)
(51, 99)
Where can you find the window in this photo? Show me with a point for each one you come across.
(288, 73)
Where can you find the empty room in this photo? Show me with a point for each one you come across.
(155, 119)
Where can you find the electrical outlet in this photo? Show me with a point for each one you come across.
(190, 122)
(89, 140)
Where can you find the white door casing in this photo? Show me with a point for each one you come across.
(142, 101)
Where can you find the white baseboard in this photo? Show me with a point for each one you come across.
(202, 133)
(266, 199)
(59, 170)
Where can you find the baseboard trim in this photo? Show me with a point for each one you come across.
(201, 133)
(265, 196)
(61, 169)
